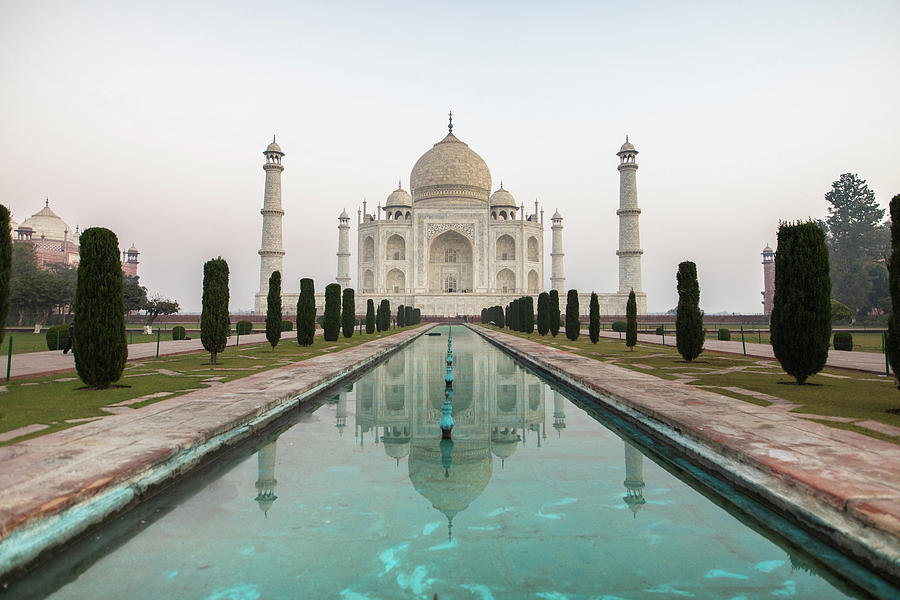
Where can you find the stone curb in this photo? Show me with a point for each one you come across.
(56, 501)
(860, 515)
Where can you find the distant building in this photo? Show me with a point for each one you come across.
(55, 243)
(768, 293)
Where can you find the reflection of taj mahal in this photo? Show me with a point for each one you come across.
(451, 247)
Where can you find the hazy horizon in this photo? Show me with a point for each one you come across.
(151, 120)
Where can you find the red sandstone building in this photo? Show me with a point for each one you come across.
(55, 243)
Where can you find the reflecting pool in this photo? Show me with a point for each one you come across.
(357, 497)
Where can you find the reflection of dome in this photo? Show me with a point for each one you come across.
(46, 224)
(396, 448)
(450, 169)
(450, 491)
(398, 197)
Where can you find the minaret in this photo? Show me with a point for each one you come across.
(634, 478)
(265, 482)
(629, 251)
(557, 275)
(271, 253)
(768, 293)
(343, 253)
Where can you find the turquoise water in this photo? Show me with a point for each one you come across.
(355, 497)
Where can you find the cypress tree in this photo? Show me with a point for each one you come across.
(528, 314)
(594, 325)
(573, 326)
(554, 312)
(331, 324)
(214, 320)
(370, 316)
(630, 321)
(543, 313)
(401, 316)
(893, 336)
(306, 313)
(408, 316)
(100, 346)
(5, 266)
(801, 311)
(689, 334)
(500, 317)
(273, 310)
(385, 319)
(348, 312)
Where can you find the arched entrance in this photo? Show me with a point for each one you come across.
(450, 263)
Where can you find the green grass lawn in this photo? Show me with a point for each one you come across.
(862, 342)
(57, 400)
(833, 392)
(37, 342)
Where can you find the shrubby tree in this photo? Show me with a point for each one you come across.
(5, 266)
(554, 312)
(348, 312)
(543, 313)
(306, 312)
(594, 324)
(689, 335)
(370, 316)
(573, 324)
(331, 325)
(158, 305)
(135, 294)
(273, 310)
(100, 345)
(630, 321)
(801, 312)
(840, 312)
(214, 319)
(893, 336)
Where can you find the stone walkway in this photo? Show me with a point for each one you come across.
(843, 484)
(870, 362)
(54, 487)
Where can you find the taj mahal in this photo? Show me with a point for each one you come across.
(449, 246)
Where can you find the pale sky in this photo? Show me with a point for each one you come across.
(151, 118)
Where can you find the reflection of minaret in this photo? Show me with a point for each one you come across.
(265, 483)
(341, 412)
(559, 412)
(634, 478)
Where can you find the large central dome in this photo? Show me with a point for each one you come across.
(450, 170)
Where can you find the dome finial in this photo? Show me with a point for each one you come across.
(273, 137)
(626, 137)
(450, 126)
(47, 201)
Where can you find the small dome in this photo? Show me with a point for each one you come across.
(46, 224)
(344, 215)
(133, 250)
(450, 169)
(627, 147)
(398, 197)
(768, 250)
(273, 147)
(556, 215)
(503, 198)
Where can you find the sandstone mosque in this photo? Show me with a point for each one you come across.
(449, 246)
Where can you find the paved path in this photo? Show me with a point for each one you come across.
(30, 364)
(870, 362)
(845, 483)
(55, 486)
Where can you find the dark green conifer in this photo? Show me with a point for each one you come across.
(689, 333)
(554, 313)
(370, 316)
(5, 266)
(273, 310)
(306, 312)
(528, 314)
(348, 312)
(573, 324)
(543, 313)
(100, 346)
(385, 314)
(401, 316)
(893, 336)
(630, 321)
(801, 312)
(331, 324)
(215, 321)
(594, 324)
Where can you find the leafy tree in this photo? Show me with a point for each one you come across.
(893, 336)
(370, 316)
(630, 321)
(306, 312)
(31, 288)
(348, 312)
(331, 325)
(5, 266)
(215, 321)
(273, 310)
(573, 324)
(554, 312)
(689, 335)
(543, 315)
(840, 313)
(135, 294)
(100, 345)
(158, 305)
(594, 321)
(801, 313)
